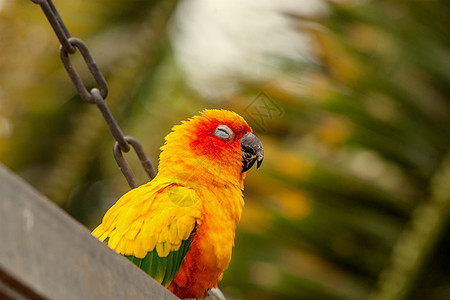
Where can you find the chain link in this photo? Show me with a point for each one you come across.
(92, 66)
(70, 45)
(124, 166)
(58, 25)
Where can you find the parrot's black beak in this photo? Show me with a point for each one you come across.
(252, 150)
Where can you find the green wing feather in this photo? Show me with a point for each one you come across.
(162, 269)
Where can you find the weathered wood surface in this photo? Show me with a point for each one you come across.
(45, 254)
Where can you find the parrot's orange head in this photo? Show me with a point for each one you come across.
(218, 143)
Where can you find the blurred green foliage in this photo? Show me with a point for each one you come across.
(352, 201)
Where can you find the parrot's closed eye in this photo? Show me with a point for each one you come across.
(224, 132)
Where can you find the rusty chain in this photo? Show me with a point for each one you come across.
(69, 46)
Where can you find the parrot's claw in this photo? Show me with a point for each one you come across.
(215, 294)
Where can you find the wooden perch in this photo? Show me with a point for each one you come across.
(46, 254)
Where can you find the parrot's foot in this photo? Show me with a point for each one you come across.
(215, 294)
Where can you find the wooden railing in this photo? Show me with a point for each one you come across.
(46, 254)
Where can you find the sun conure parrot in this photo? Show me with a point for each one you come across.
(180, 227)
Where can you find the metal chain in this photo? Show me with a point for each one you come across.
(69, 46)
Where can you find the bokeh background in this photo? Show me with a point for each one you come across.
(350, 99)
